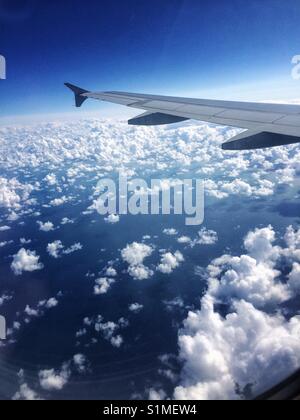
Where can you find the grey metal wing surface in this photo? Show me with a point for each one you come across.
(266, 125)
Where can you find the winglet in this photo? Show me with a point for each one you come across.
(79, 99)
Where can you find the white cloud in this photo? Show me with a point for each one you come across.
(13, 194)
(140, 272)
(292, 237)
(206, 237)
(24, 241)
(5, 243)
(25, 261)
(156, 395)
(73, 248)
(4, 228)
(135, 254)
(31, 312)
(103, 285)
(158, 150)
(112, 219)
(67, 221)
(136, 308)
(117, 341)
(109, 330)
(51, 303)
(46, 227)
(169, 262)
(51, 179)
(248, 346)
(254, 277)
(25, 393)
(54, 249)
(174, 303)
(5, 298)
(59, 201)
(52, 380)
(184, 240)
(111, 272)
(259, 243)
(170, 232)
(294, 278)
(80, 362)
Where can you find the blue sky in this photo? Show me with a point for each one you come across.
(221, 49)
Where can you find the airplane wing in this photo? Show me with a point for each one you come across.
(267, 125)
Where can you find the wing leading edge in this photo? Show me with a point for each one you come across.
(267, 125)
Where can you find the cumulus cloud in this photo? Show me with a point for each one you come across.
(80, 362)
(246, 347)
(56, 249)
(254, 276)
(170, 232)
(110, 330)
(224, 354)
(158, 150)
(67, 221)
(46, 227)
(140, 272)
(5, 243)
(169, 262)
(59, 201)
(103, 285)
(172, 304)
(51, 303)
(294, 278)
(135, 254)
(25, 260)
(25, 393)
(24, 241)
(156, 395)
(13, 194)
(206, 237)
(5, 298)
(151, 151)
(54, 380)
(73, 248)
(184, 240)
(136, 308)
(51, 179)
(111, 272)
(112, 219)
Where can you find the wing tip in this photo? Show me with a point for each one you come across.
(79, 99)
